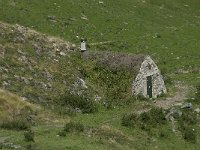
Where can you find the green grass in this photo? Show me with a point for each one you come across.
(133, 25)
(11, 104)
(107, 133)
(27, 72)
(167, 30)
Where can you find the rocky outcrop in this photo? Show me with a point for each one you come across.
(34, 65)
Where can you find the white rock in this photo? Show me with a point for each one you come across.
(101, 2)
(62, 54)
(197, 110)
(84, 18)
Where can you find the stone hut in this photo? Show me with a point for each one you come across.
(148, 80)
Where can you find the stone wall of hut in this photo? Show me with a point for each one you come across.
(149, 68)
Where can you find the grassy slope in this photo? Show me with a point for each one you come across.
(111, 135)
(32, 64)
(134, 26)
(166, 30)
(12, 105)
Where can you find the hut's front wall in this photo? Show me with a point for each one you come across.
(149, 68)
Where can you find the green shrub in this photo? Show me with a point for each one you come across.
(1, 146)
(129, 120)
(189, 134)
(196, 99)
(62, 133)
(153, 118)
(163, 134)
(16, 124)
(146, 120)
(74, 127)
(31, 146)
(113, 81)
(141, 97)
(29, 136)
(188, 117)
(198, 91)
(187, 125)
(65, 110)
(85, 104)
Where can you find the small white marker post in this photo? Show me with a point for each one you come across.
(83, 46)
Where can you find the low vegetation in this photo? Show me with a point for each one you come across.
(50, 72)
(15, 113)
(113, 84)
(80, 103)
(74, 127)
(16, 124)
(146, 120)
(187, 124)
(29, 136)
(196, 97)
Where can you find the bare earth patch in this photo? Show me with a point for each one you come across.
(178, 98)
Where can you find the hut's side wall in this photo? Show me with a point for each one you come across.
(149, 68)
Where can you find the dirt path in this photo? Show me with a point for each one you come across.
(180, 96)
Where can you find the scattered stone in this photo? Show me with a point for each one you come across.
(52, 19)
(55, 60)
(2, 52)
(97, 98)
(49, 85)
(161, 7)
(11, 146)
(78, 110)
(157, 35)
(80, 83)
(26, 81)
(188, 106)
(23, 59)
(5, 83)
(24, 98)
(20, 52)
(3, 69)
(44, 86)
(101, 2)
(38, 49)
(47, 75)
(178, 104)
(63, 54)
(197, 110)
(84, 18)
(182, 71)
(173, 113)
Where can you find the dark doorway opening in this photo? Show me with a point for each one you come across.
(149, 86)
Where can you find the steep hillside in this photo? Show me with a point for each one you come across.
(35, 66)
(41, 63)
(12, 106)
(168, 30)
(46, 69)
